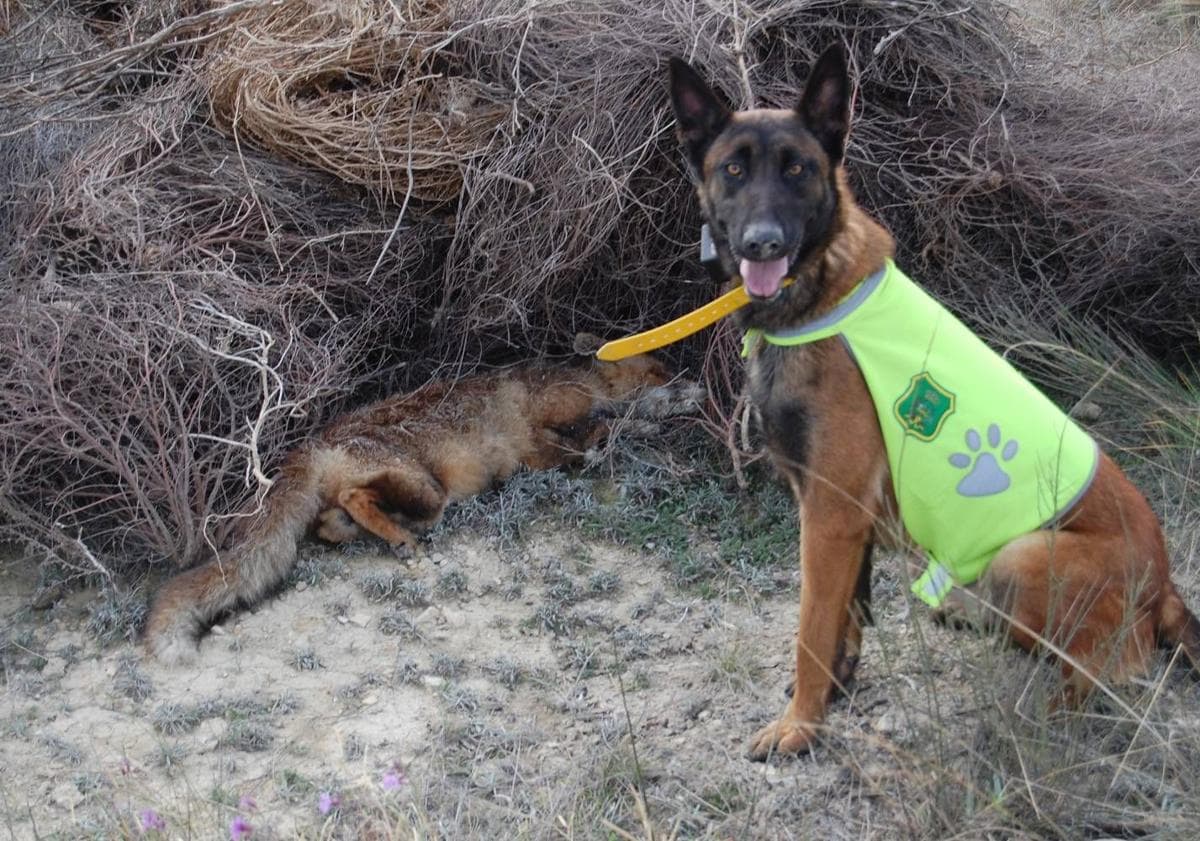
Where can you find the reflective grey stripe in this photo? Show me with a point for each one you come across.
(856, 300)
(935, 583)
(1053, 522)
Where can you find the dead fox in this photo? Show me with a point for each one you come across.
(391, 467)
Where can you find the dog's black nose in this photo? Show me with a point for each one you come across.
(762, 241)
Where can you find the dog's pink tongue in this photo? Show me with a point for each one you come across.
(763, 279)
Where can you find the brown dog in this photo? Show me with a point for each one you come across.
(393, 466)
(1091, 579)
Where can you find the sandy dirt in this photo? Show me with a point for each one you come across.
(523, 694)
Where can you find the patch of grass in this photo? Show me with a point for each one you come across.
(703, 527)
(315, 568)
(117, 616)
(452, 582)
(18, 651)
(504, 512)
(305, 660)
(88, 782)
(173, 719)
(632, 643)
(170, 756)
(447, 665)
(407, 671)
(396, 623)
(561, 589)
(553, 618)
(735, 667)
(584, 658)
(293, 786)
(603, 583)
(394, 586)
(460, 699)
(248, 706)
(505, 671)
(131, 681)
(60, 749)
(246, 734)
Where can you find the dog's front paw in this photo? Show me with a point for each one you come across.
(784, 735)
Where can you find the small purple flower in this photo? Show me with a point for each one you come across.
(393, 779)
(239, 828)
(151, 821)
(327, 802)
(247, 803)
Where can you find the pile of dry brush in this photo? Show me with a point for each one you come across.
(223, 222)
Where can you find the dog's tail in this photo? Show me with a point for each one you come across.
(259, 559)
(1179, 626)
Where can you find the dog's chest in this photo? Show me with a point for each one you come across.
(785, 389)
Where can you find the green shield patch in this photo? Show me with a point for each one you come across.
(923, 407)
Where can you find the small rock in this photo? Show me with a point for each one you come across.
(1086, 410)
(433, 681)
(360, 620)
(453, 617)
(218, 631)
(887, 723)
(55, 667)
(66, 795)
(302, 586)
(342, 620)
(370, 700)
(429, 613)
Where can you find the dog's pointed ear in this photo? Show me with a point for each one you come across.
(825, 105)
(700, 114)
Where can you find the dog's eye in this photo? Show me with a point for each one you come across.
(795, 170)
(734, 168)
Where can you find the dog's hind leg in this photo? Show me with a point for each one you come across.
(1051, 587)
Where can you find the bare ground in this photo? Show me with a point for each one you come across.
(561, 686)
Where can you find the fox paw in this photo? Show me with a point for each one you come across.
(173, 647)
(784, 735)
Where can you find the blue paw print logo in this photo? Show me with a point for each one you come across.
(987, 477)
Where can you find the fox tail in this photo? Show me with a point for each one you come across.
(260, 559)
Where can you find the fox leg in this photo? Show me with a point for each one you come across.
(556, 446)
(334, 525)
(376, 505)
(363, 507)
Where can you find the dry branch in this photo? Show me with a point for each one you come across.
(217, 213)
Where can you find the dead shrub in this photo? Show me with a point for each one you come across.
(363, 90)
(224, 222)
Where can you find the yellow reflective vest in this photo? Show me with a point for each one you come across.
(978, 455)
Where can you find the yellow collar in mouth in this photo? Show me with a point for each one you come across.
(680, 328)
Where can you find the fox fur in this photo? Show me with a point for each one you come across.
(390, 469)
